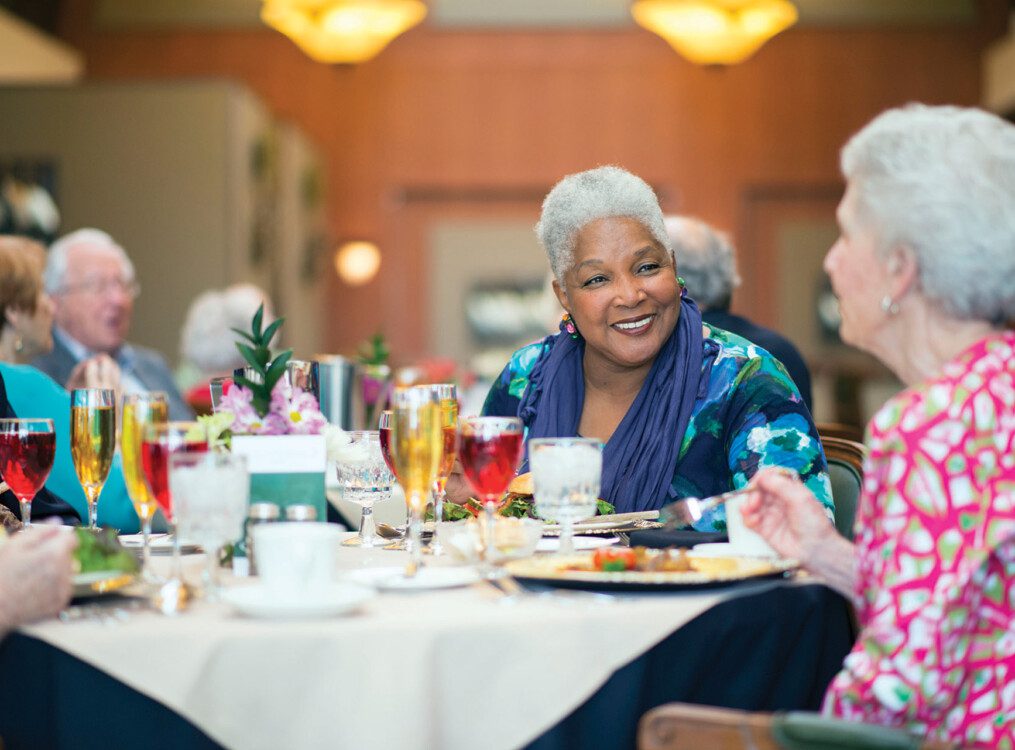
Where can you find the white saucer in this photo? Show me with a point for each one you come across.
(259, 601)
(429, 577)
(725, 549)
(552, 543)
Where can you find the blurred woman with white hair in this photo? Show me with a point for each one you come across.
(207, 341)
(924, 269)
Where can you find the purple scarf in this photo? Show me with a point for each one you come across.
(641, 456)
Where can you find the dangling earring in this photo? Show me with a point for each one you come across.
(567, 326)
(19, 345)
(889, 306)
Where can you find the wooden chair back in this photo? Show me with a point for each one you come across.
(845, 470)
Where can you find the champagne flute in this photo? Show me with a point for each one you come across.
(566, 474)
(140, 410)
(27, 447)
(159, 441)
(417, 441)
(93, 442)
(447, 396)
(490, 449)
(210, 493)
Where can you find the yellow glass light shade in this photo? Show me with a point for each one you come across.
(715, 32)
(342, 31)
(357, 262)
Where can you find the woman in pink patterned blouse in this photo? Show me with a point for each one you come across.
(924, 269)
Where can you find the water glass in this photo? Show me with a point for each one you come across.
(210, 496)
(364, 478)
(566, 473)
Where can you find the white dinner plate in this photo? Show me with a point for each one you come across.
(258, 600)
(435, 577)
(552, 543)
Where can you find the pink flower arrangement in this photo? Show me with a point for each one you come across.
(292, 411)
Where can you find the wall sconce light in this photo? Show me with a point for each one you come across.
(357, 262)
(715, 32)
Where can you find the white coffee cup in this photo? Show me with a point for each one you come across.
(743, 541)
(296, 558)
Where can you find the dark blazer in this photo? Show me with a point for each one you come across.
(148, 366)
(45, 504)
(777, 345)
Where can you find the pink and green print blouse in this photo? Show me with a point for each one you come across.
(935, 539)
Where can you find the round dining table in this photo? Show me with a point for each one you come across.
(456, 668)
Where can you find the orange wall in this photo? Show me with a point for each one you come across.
(456, 123)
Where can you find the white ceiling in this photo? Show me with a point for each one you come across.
(532, 13)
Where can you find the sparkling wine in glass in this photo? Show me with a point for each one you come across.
(418, 441)
(490, 448)
(140, 410)
(27, 447)
(447, 397)
(159, 442)
(211, 493)
(566, 474)
(364, 478)
(93, 442)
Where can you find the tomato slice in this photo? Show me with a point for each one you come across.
(612, 559)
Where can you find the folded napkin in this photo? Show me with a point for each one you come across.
(674, 538)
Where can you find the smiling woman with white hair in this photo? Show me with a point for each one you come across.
(682, 408)
(924, 269)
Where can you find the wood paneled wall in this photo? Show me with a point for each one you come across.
(484, 122)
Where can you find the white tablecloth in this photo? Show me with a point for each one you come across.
(450, 669)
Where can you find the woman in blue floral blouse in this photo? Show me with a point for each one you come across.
(682, 408)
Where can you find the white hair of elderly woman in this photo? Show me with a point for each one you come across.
(581, 198)
(55, 275)
(941, 181)
(207, 341)
(705, 259)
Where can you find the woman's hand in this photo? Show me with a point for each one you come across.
(100, 371)
(457, 488)
(36, 569)
(787, 515)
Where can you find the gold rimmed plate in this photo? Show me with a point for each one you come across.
(576, 572)
(96, 583)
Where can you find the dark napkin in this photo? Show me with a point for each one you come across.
(674, 538)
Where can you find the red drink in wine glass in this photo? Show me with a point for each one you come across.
(489, 461)
(27, 447)
(384, 429)
(160, 441)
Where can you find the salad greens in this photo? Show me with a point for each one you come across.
(100, 550)
(516, 506)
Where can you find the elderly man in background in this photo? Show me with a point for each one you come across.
(91, 281)
(708, 264)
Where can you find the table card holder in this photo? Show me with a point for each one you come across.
(285, 469)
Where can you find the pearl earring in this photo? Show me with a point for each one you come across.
(889, 306)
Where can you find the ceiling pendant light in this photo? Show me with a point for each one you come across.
(342, 31)
(715, 32)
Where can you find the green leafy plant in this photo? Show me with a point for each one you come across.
(374, 351)
(268, 370)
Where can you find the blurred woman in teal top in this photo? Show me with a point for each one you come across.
(25, 333)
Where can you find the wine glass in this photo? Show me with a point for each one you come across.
(93, 442)
(490, 449)
(565, 475)
(139, 410)
(27, 447)
(447, 396)
(364, 478)
(417, 441)
(210, 494)
(159, 441)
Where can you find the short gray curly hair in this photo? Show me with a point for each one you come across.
(941, 181)
(581, 198)
(705, 259)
